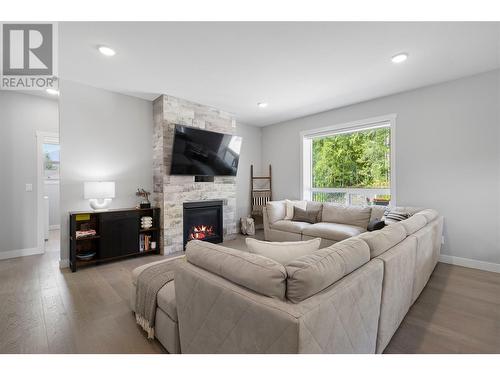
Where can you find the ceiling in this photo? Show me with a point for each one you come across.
(299, 68)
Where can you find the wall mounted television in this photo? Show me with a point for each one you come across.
(198, 152)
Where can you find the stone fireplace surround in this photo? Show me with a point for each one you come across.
(170, 192)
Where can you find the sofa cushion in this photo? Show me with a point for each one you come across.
(275, 211)
(429, 214)
(414, 223)
(312, 273)
(282, 252)
(315, 206)
(306, 216)
(290, 207)
(166, 300)
(350, 215)
(382, 240)
(332, 231)
(255, 272)
(290, 226)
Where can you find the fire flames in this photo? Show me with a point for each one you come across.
(200, 232)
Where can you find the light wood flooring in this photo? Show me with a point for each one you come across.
(47, 310)
(457, 312)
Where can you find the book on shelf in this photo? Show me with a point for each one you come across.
(144, 242)
(85, 233)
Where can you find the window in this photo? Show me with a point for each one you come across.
(51, 161)
(350, 165)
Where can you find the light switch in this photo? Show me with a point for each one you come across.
(29, 187)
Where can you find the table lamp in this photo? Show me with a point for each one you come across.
(99, 194)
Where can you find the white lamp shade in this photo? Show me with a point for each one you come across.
(98, 189)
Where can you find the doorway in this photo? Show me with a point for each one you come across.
(49, 217)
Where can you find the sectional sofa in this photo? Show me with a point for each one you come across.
(349, 297)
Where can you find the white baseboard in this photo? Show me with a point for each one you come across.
(20, 253)
(470, 263)
(54, 227)
(64, 263)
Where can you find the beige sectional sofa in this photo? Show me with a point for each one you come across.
(349, 297)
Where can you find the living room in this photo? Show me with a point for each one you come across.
(252, 187)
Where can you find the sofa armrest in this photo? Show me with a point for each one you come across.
(136, 272)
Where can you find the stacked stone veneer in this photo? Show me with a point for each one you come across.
(170, 192)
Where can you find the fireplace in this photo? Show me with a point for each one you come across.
(202, 221)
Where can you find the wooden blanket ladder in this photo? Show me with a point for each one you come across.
(261, 191)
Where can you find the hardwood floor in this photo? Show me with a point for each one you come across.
(457, 312)
(47, 310)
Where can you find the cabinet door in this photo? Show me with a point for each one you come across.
(119, 234)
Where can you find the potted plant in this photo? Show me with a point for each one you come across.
(145, 203)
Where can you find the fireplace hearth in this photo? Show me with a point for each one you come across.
(202, 220)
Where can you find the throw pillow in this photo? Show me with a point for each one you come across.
(290, 205)
(282, 252)
(305, 216)
(394, 215)
(375, 224)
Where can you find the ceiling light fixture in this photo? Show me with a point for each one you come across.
(52, 91)
(399, 58)
(262, 105)
(106, 51)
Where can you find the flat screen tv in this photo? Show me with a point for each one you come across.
(198, 152)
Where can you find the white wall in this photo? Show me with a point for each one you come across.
(21, 115)
(103, 136)
(447, 156)
(251, 153)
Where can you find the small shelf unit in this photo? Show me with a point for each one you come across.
(118, 235)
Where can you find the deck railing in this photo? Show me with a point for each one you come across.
(351, 196)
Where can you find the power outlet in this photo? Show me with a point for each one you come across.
(442, 240)
(29, 187)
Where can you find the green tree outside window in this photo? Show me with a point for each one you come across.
(353, 160)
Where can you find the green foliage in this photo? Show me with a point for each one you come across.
(49, 164)
(353, 160)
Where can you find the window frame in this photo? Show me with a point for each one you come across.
(306, 137)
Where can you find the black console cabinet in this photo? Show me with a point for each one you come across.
(118, 234)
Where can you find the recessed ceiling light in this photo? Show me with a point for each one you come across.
(52, 91)
(262, 105)
(399, 58)
(106, 51)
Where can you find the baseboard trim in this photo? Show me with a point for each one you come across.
(64, 263)
(470, 263)
(20, 253)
